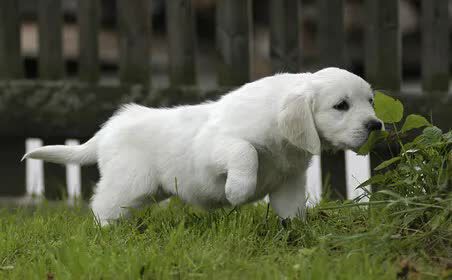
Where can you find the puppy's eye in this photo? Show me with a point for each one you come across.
(371, 101)
(342, 106)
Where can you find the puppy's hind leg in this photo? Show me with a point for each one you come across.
(289, 200)
(116, 195)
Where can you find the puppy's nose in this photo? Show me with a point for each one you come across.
(374, 125)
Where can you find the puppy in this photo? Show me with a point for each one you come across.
(254, 141)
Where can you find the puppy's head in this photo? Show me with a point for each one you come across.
(331, 106)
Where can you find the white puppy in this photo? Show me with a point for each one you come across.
(254, 141)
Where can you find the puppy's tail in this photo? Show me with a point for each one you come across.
(80, 154)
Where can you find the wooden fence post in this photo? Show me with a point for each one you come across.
(314, 181)
(181, 39)
(331, 40)
(234, 41)
(89, 22)
(285, 35)
(10, 59)
(383, 44)
(357, 172)
(51, 64)
(73, 176)
(34, 171)
(134, 18)
(435, 45)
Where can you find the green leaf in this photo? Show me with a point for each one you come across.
(388, 109)
(448, 137)
(376, 179)
(374, 137)
(387, 163)
(436, 221)
(432, 135)
(391, 193)
(414, 121)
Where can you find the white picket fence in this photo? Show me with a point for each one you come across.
(357, 171)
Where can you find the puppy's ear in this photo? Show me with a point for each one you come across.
(296, 123)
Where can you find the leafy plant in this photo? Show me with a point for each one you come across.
(414, 186)
(422, 166)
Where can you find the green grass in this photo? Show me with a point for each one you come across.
(177, 241)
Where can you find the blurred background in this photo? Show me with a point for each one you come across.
(354, 24)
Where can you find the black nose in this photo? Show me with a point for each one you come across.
(373, 125)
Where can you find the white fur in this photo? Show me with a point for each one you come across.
(254, 141)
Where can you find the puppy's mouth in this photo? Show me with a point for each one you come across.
(359, 138)
(334, 146)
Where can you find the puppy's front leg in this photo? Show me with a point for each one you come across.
(241, 162)
(289, 200)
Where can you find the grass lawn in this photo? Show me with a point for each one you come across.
(179, 242)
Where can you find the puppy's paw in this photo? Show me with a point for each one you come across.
(236, 198)
(239, 189)
(285, 223)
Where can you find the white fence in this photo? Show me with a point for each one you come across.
(357, 171)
